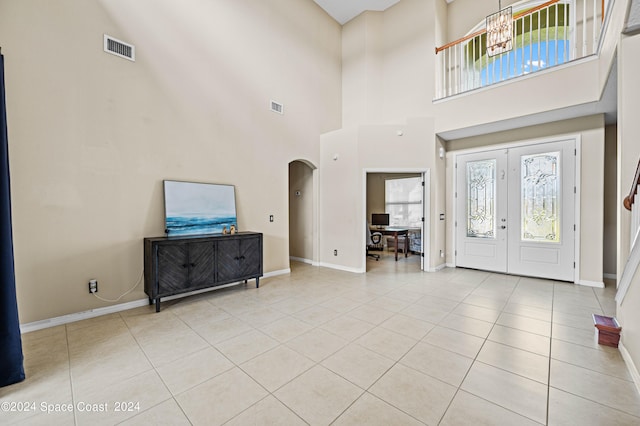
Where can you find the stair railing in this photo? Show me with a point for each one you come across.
(633, 262)
(630, 204)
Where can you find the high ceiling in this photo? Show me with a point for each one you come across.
(345, 10)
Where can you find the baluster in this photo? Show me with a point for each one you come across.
(547, 36)
(456, 68)
(539, 40)
(595, 25)
(530, 41)
(566, 36)
(449, 84)
(556, 38)
(522, 44)
(584, 28)
(443, 75)
(634, 225)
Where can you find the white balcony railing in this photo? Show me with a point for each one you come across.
(545, 34)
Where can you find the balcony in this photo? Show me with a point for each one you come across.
(546, 34)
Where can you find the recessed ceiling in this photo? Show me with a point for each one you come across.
(345, 10)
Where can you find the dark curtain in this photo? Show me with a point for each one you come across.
(11, 359)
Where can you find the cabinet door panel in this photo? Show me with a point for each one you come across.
(250, 255)
(201, 256)
(173, 268)
(227, 259)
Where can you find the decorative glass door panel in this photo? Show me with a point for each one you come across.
(481, 236)
(540, 197)
(481, 200)
(515, 210)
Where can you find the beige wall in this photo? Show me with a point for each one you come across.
(610, 200)
(591, 209)
(92, 135)
(341, 211)
(343, 181)
(387, 74)
(375, 194)
(388, 79)
(361, 69)
(301, 210)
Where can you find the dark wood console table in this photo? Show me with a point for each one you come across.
(175, 265)
(395, 232)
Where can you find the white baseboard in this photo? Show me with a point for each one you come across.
(65, 319)
(633, 370)
(276, 273)
(343, 268)
(610, 276)
(450, 265)
(92, 313)
(303, 260)
(597, 284)
(438, 268)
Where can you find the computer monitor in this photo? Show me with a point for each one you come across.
(380, 219)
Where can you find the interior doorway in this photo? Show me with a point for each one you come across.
(515, 210)
(401, 197)
(303, 217)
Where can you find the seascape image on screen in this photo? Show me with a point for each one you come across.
(198, 208)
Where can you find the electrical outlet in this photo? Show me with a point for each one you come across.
(335, 252)
(93, 286)
(441, 253)
(270, 218)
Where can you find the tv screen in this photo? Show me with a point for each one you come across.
(380, 219)
(193, 208)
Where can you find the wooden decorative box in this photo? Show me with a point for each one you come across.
(608, 330)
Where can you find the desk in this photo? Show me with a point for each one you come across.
(395, 232)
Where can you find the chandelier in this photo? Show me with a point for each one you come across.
(500, 31)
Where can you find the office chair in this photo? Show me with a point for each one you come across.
(374, 239)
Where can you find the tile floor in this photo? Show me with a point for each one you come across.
(395, 346)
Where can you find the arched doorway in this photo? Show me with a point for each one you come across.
(303, 218)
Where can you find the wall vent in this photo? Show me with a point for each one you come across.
(119, 48)
(277, 107)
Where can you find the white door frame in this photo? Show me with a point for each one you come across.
(578, 144)
(426, 204)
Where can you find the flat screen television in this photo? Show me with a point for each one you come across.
(192, 208)
(379, 219)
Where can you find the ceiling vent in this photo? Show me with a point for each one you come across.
(277, 107)
(119, 48)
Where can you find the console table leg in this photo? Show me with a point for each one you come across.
(257, 282)
(150, 301)
(157, 304)
(406, 244)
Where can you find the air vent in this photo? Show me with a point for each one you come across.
(277, 107)
(119, 48)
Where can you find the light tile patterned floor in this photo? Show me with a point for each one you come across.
(395, 346)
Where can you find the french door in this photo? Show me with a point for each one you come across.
(516, 210)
